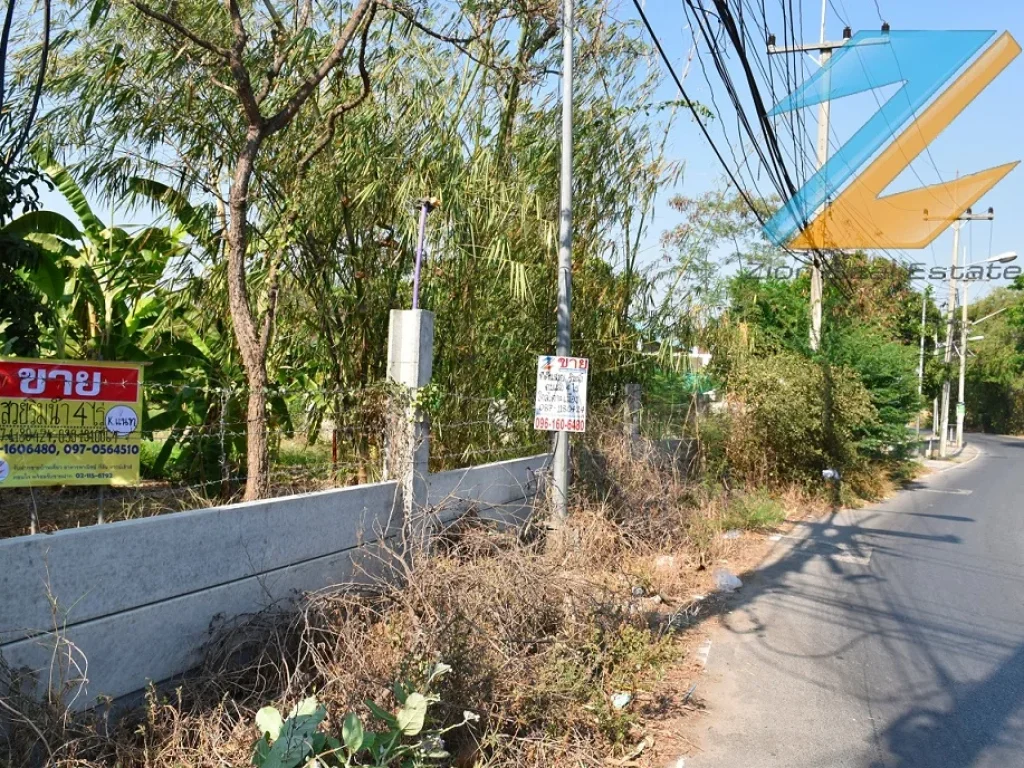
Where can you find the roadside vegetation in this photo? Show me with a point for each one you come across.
(258, 289)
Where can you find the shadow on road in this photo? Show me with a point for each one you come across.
(942, 723)
(955, 737)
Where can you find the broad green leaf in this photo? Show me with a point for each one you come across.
(307, 706)
(295, 743)
(91, 225)
(260, 753)
(48, 277)
(400, 692)
(43, 222)
(165, 454)
(165, 420)
(269, 721)
(352, 733)
(412, 715)
(191, 218)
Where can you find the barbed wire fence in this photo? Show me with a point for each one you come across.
(193, 452)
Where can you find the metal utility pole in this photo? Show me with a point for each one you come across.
(920, 362)
(960, 404)
(560, 464)
(824, 50)
(950, 312)
(427, 204)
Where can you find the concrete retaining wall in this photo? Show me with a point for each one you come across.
(137, 601)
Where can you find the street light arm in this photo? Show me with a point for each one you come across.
(991, 314)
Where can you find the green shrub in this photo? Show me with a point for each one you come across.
(795, 418)
(404, 738)
(888, 371)
(756, 511)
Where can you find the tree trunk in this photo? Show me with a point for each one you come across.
(250, 345)
(257, 484)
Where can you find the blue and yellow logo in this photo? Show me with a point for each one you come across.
(860, 217)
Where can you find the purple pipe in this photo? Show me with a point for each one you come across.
(419, 254)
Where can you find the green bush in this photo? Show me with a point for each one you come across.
(405, 739)
(888, 371)
(757, 511)
(796, 417)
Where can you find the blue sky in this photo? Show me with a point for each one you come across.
(988, 133)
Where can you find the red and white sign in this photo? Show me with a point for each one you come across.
(561, 404)
(36, 380)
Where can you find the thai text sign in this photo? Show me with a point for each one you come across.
(69, 423)
(561, 403)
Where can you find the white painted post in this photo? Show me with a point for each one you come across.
(407, 455)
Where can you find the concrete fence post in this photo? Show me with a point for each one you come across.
(407, 451)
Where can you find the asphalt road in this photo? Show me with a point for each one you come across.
(886, 637)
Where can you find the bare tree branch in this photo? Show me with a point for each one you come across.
(275, 17)
(304, 91)
(236, 62)
(341, 109)
(180, 28)
(407, 14)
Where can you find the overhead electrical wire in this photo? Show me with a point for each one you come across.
(696, 114)
(764, 139)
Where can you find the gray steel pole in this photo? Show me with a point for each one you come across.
(920, 362)
(960, 403)
(560, 468)
(948, 356)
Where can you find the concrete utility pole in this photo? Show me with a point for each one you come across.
(950, 314)
(824, 50)
(936, 421)
(920, 362)
(948, 354)
(961, 404)
(560, 463)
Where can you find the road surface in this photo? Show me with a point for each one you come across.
(886, 637)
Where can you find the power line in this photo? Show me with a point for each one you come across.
(693, 110)
(878, 9)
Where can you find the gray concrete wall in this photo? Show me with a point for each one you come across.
(107, 609)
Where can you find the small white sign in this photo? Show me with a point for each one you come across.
(122, 420)
(561, 403)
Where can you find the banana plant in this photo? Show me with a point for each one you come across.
(102, 283)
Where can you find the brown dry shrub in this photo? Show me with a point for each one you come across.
(536, 648)
(538, 637)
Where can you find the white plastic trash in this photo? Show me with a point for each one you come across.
(621, 700)
(726, 581)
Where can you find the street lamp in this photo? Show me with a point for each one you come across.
(961, 408)
(1002, 258)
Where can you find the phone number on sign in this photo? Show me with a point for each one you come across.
(560, 425)
(69, 448)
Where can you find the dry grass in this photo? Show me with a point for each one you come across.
(539, 638)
